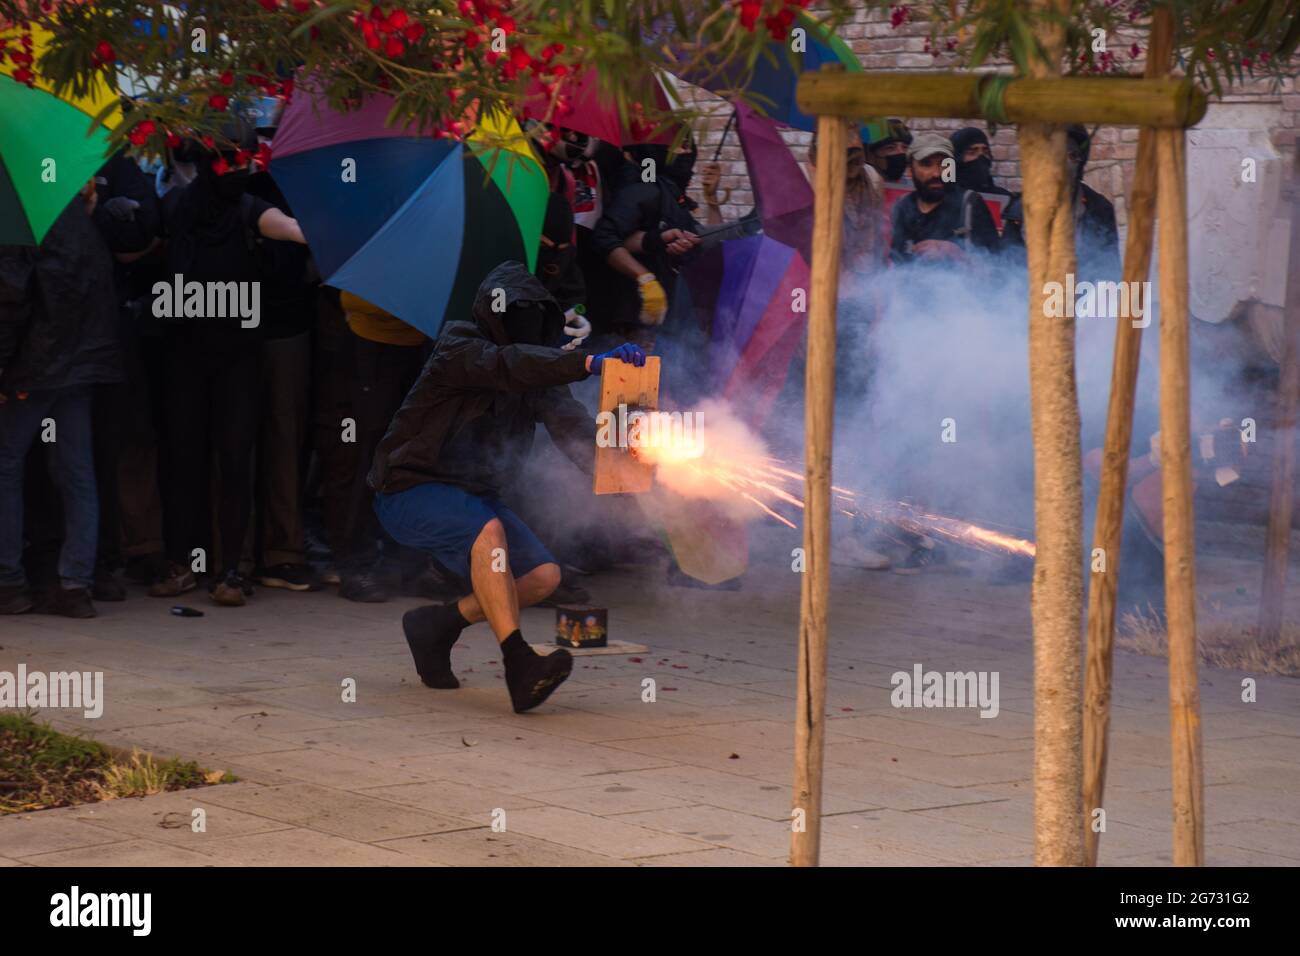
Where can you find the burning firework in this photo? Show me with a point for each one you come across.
(732, 465)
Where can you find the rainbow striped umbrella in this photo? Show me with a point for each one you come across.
(47, 151)
(409, 222)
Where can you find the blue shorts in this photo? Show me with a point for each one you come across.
(445, 521)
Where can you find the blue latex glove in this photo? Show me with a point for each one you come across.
(627, 352)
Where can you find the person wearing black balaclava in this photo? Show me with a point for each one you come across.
(974, 157)
(1096, 234)
(648, 230)
(211, 384)
(458, 445)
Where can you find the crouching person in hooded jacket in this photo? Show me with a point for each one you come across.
(460, 437)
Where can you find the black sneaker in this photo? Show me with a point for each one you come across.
(531, 678)
(65, 602)
(430, 633)
(15, 599)
(291, 577)
(368, 587)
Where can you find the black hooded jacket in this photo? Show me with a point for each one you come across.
(58, 311)
(470, 418)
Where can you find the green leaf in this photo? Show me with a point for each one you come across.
(102, 116)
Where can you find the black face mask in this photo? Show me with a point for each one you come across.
(976, 174)
(527, 322)
(680, 168)
(895, 166)
(232, 185)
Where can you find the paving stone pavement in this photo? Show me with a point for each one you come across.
(407, 776)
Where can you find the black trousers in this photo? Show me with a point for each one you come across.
(381, 375)
(210, 418)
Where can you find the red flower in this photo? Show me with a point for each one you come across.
(218, 102)
(220, 166)
(263, 157)
(898, 16)
(173, 140)
(520, 59)
(270, 4)
(371, 34)
(507, 25)
(227, 78)
(471, 39)
(141, 132)
(377, 14)
(1134, 51)
(242, 156)
(396, 20)
(749, 11)
(413, 32)
(394, 47)
(104, 52)
(302, 6)
(24, 75)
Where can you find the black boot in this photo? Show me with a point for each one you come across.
(530, 677)
(430, 633)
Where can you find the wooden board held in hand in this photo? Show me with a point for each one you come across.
(616, 471)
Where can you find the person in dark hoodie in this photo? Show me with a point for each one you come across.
(1096, 235)
(58, 340)
(450, 454)
(213, 362)
(647, 231)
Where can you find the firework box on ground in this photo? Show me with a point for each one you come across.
(578, 625)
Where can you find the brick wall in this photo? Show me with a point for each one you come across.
(882, 47)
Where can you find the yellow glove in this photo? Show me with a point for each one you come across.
(654, 300)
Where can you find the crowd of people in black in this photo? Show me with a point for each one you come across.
(147, 448)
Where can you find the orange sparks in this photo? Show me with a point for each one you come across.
(758, 477)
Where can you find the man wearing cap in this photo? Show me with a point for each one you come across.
(888, 155)
(940, 220)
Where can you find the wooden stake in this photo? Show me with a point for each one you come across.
(1278, 547)
(1110, 101)
(1176, 482)
(1106, 538)
(819, 411)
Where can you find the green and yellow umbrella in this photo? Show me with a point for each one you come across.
(47, 149)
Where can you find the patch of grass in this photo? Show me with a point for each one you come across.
(1221, 641)
(42, 768)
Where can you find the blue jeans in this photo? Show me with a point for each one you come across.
(72, 466)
